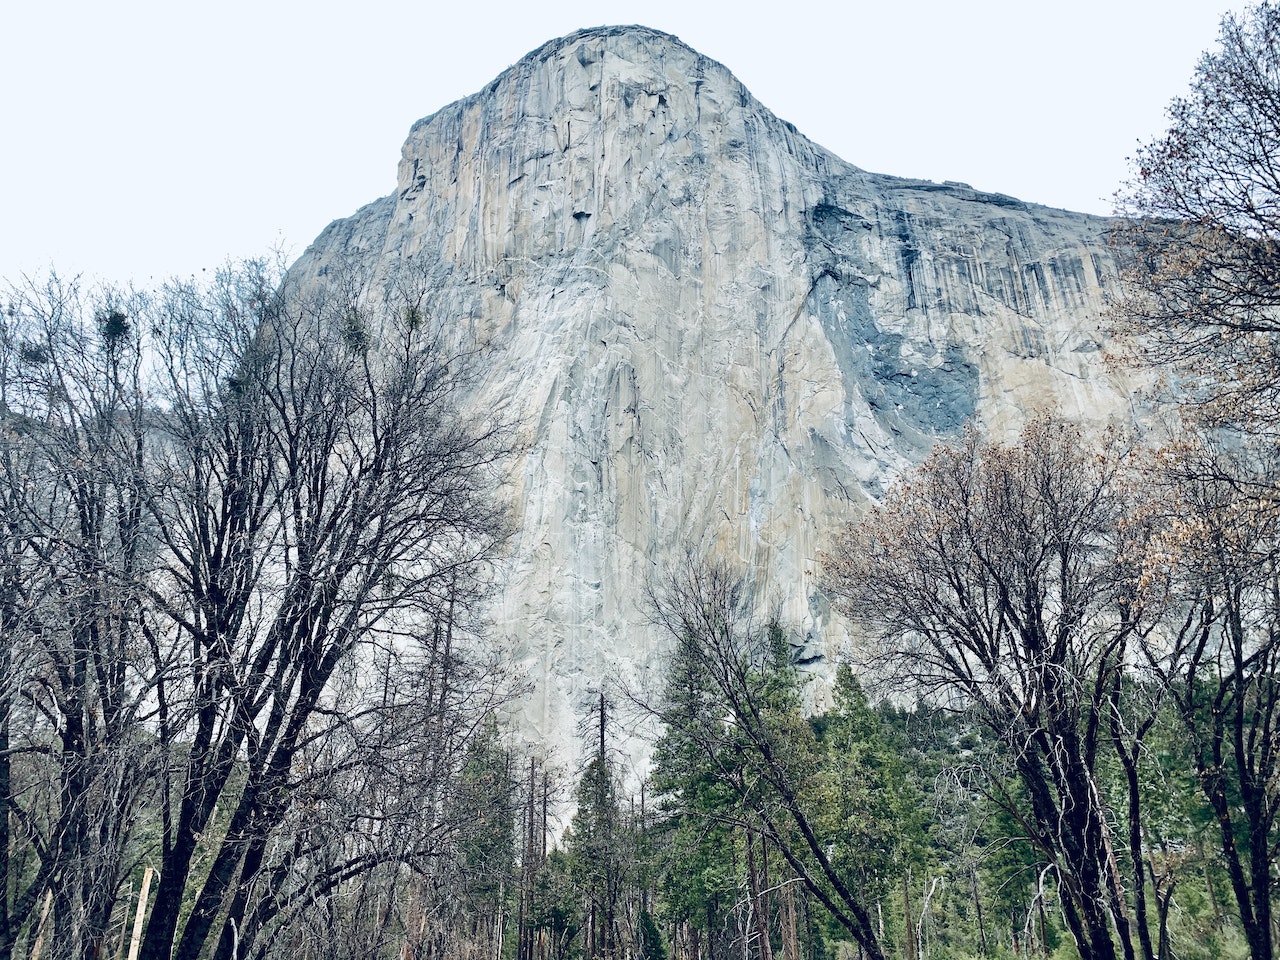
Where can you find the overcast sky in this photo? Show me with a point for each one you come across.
(142, 139)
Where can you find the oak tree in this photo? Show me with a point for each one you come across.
(1003, 581)
(1202, 291)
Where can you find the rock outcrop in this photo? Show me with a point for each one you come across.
(717, 334)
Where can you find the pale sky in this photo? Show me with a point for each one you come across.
(143, 139)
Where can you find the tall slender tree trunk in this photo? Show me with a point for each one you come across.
(977, 906)
(758, 907)
(909, 930)
(790, 937)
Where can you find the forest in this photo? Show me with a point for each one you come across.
(248, 708)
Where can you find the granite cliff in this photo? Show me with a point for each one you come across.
(716, 334)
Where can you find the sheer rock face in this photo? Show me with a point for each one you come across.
(717, 335)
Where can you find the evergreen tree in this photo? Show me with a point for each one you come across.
(598, 846)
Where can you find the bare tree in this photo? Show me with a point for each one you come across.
(328, 502)
(246, 528)
(1004, 581)
(1202, 302)
(1219, 657)
(385, 843)
(733, 722)
(76, 678)
(1204, 285)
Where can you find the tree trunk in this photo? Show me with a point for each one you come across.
(909, 933)
(758, 907)
(977, 906)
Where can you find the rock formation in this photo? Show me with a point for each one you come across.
(717, 335)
